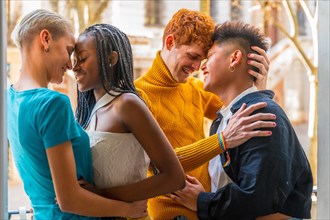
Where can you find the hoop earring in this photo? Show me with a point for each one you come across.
(232, 69)
(46, 49)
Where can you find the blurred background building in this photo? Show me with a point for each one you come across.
(290, 25)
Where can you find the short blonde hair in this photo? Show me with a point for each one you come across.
(36, 21)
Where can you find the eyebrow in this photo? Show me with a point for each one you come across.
(194, 54)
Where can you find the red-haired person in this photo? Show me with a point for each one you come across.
(179, 103)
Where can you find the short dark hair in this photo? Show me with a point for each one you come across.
(241, 34)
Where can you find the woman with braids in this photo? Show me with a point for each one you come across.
(122, 131)
(50, 149)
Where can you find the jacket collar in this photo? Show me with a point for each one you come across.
(251, 98)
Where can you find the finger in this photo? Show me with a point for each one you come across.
(176, 198)
(252, 108)
(174, 193)
(257, 133)
(240, 110)
(168, 195)
(180, 194)
(260, 124)
(258, 117)
(192, 179)
(258, 65)
(255, 74)
(260, 60)
(261, 52)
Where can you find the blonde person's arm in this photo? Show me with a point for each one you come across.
(138, 119)
(240, 128)
(74, 199)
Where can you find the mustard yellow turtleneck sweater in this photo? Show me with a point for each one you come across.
(179, 108)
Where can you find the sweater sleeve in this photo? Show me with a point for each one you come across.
(198, 153)
(146, 100)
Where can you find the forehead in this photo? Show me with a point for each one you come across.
(67, 39)
(70, 38)
(85, 42)
(195, 49)
(216, 48)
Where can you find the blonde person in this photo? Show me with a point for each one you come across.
(179, 103)
(123, 132)
(50, 149)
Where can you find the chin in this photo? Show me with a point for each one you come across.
(59, 81)
(206, 87)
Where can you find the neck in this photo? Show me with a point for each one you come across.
(229, 93)
(32, 74)
(99, 93)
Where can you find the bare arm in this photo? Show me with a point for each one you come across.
(74, 199)
(138, 119)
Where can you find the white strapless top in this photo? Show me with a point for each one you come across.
(118, 158)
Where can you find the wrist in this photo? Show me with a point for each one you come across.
(222, 141)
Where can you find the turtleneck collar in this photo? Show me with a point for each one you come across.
(159, 74)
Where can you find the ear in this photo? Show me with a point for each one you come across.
(169, 42)
(236, 58)
(45, 38)
(113, 58)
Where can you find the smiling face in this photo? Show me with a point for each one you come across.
(86, 64)
(216, 68)
(184, 60)
(58, 60)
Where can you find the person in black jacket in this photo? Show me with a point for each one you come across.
(266, 177)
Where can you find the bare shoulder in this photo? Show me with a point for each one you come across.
(130, 102)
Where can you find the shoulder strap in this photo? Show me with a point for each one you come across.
(106, 99)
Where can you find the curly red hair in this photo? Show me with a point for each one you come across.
(190, 27)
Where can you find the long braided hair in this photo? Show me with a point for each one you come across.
(118, 78)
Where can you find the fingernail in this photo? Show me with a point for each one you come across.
(274, 116)
(274, 124)
(269, 132)
(249, 55)
(248, 61)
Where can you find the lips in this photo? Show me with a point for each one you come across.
(187, 71)
(79, 77)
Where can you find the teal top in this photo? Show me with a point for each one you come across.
(39, 119)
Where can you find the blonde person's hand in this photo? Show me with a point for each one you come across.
(242, 125)
(188, 195)
(137, 209)
(262, 63)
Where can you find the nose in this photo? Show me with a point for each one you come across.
(75, 67)
(69, 64)
(196, 65)
(203, 67)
